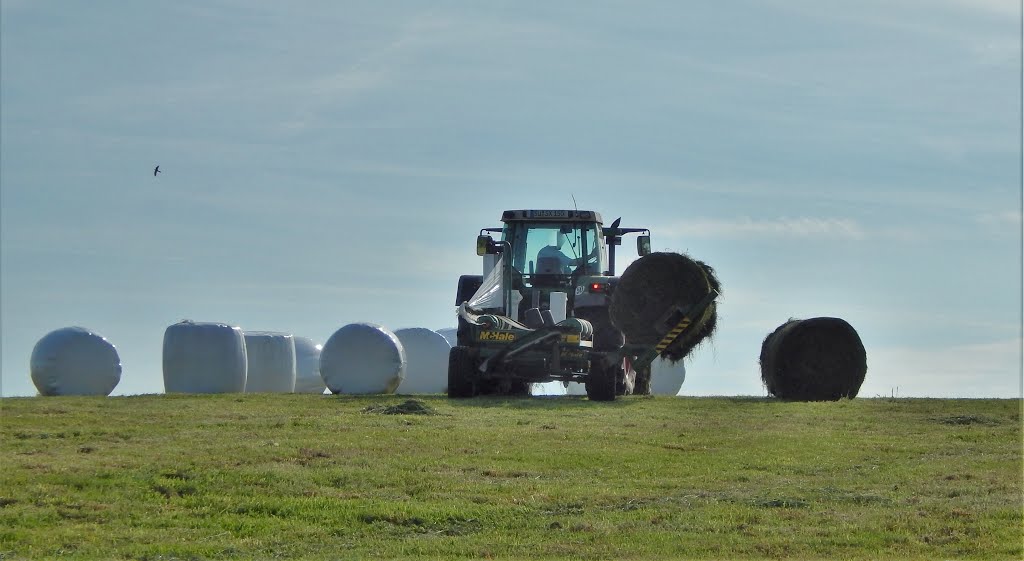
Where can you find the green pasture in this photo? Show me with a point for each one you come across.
(163, 477)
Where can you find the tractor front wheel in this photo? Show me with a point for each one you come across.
(601, 380)
(461, 372)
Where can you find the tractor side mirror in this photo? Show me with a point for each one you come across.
(485, 245)
(643, 245)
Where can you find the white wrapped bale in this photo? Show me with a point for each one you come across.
(450, 334)
(307, 367)
(426, 355)
(575, 388)
(667, 378)
(74, 361)
(271, 359)
(362, 358)
(204, 358)
(548, 388)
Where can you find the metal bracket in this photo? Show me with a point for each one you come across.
(683, 321)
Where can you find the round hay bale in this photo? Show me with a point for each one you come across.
(427, 354)
(74, 361)
(654, 285)
(204, 358)
(307, 366)
(362, 358)
(817, 359)
(271, 359)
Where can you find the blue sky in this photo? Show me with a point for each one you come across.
(331, 162)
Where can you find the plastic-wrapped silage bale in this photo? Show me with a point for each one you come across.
(271, 359)
(450, 334)
(667, 378)
(426, 355)
(307, 367)
(548, 388)
(204, 358)
(575, 388)
(74, 361)
(362, 358)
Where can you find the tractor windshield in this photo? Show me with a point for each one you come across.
(555, 248)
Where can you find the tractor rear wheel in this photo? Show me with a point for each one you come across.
(461, 372)
(601, 381)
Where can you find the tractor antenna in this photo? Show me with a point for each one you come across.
(572, 243)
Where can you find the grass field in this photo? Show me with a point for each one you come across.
(330, 477)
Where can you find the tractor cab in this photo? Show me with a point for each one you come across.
(568, 253)
(549, 251)
(544, 254)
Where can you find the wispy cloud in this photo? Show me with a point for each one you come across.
(999, 7)
(1001, 220)
(746, 227)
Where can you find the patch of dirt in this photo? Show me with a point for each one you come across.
(407, 407)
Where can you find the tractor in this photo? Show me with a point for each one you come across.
(539, 312)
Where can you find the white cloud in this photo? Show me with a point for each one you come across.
(746, 227)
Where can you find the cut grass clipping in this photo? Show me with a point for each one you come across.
(817, 359)
(653, 286)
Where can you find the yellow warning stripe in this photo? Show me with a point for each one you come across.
(671, 336)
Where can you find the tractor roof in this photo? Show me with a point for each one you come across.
(551, 216)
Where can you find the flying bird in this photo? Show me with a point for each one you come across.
(156, 170)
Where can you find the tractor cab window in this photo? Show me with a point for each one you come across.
(544, 249)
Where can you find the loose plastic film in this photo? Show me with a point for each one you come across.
(426, 355)
(204, 358)
(307, 367)
(362, 358)
(74, 361)
(271, 359)
(491, 291)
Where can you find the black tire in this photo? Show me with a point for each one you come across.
(461, 372)
(519, 389)
(601, 380)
